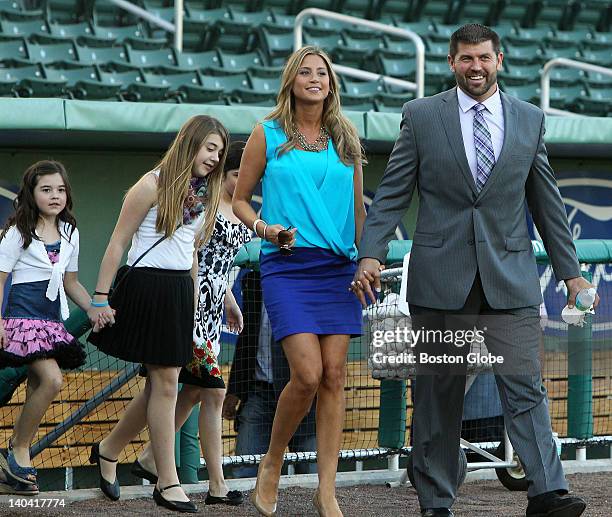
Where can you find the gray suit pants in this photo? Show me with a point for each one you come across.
(438, 399)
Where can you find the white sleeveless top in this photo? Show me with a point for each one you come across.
(175, 252)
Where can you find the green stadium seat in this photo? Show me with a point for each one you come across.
(598, 103)
(106, 13)
(353, 58)
(399, 10)
(10, 6)
(99, 55)
(566, 76)
(437, 50)
(120, 74)
(47, 53)
(171, 78)
(437, 76)
(279, 6)
(438, 10)
(521, 12)
(229, 82)
(504, 30)
(353, 87)
(555, 12)
(64, 11)
(597, 57)
(11, 49)
(523, 54)
(70, 73)
(118, 33)
(165, 13)
(598, 80)
(253, 98)
(392, 102)
(140, 92)
(13, 72)
(70, 30)
(527, 92)
(276, 46)
(595, 14)
(24, 28)
(335, 26)
(561, 38)
(198, 60)
(366, 44)
(599, 40)
(210, 16)
(399, 45)
(526, 37)
(424, 28)
(240, 62)
(96, 91)
(232, 36)
(520, 74)
(479, 11)
(264, 84)
(569, 52)
(146, 43)
(197, 35)
(567, 97)
(443, 32)
(357, 102)
(323, 39)
(359, 8)
(200, 95)
(251, 18)
(150, 58)
(395, 65)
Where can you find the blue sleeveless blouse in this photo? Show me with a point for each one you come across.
(310, 191)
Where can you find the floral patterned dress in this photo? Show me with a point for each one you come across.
(215, 259)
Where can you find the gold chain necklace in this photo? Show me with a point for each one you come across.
(320, 144)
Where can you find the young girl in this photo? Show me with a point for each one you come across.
(155, 302)
(201, 378)
(40, 247)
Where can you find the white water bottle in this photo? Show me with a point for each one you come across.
(585, 299)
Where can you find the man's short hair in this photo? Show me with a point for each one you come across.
(472, 34)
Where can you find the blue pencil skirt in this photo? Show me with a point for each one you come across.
(308, 292)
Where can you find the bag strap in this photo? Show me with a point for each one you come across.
(130, 268)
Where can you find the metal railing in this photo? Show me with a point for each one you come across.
(176, 27)
(418, 86)
(545, 81)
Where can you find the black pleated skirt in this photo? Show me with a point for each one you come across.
(154, 320)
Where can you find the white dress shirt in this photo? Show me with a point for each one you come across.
(493, 116)
(33, 264)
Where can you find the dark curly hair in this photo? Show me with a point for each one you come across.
(26, 213)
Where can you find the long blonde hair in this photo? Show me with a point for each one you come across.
(342, 131)
(175, 171)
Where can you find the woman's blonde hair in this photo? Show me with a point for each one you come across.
(175, 171)
(342, 131)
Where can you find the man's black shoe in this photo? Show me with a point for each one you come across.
(437, 512)
(555, 504)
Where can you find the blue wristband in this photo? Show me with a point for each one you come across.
(99, 304)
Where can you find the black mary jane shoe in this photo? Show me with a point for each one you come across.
(110, 490)
(233, 498)
(176, 506)
(140, 472)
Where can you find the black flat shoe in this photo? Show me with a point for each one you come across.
(140, 472)
(110, 490)
(233, 498)
(177, 506)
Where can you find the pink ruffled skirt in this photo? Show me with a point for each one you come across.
(31, 339)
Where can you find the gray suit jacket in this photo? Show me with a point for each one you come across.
(460, 231)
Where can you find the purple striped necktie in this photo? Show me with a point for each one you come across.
(485, 157)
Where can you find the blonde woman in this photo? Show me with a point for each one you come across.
(308, 157)
(162, 215)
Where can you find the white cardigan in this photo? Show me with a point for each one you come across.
(33, 264)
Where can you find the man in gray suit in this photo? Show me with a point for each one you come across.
(476, 157)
